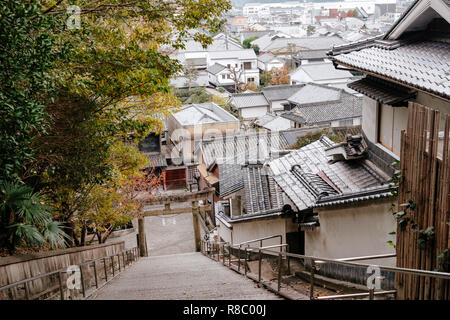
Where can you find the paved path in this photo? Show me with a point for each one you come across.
(181, 276)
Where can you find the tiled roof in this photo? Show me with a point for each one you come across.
(312, 54)
(322, 71)
(305, 42)
(293, 116)
(422, 64)
(266, 57)
(280, 92)
(313, 93)
(246, 100)
(196, 61)
(202, 113)
(215, 68)
(291, 135)
(243, 54)
(381, 90)
(262, 195)
(230, 179)
(347, 107)
(240, 148)
(345, 176)
(156, 160)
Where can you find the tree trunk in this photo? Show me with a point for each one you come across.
(83, 235)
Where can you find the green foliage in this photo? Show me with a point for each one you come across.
(425, 237)
(196, 95)
(23, 217)
(255, 48)
(310, 137)
(246, 43)
(69, 96)
(310, 30)
(28, 52)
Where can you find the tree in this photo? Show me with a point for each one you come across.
(190, 73)
(276, 76)
(236, 75)
(23, 217)
(113, 86)
(247, 42)
(310, 30)
(27, 55)
(255, 48)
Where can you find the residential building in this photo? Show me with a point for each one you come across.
(319, 105)
(338, 201)
(268, 61)
(250, 106)
(278, 96)
(224, 66)
(408, 63)
(195, 122)
(321, 73)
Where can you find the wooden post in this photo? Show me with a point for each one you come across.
(142, 240)
(195, 211)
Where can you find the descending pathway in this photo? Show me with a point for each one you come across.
(181, 276)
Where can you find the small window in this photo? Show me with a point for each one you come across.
(228, 66)
(223, 76)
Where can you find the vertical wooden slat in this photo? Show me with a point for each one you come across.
(425, 180)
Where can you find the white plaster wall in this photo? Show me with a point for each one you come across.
(276, 64)
(253, 112)
(224, 232)
(277, 105)
(369, 118)
(359, 230)
(254, 229)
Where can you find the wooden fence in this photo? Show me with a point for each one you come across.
(424, 182)
(16, 268)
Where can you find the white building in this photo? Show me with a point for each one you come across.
(225, 65)
(267, 62)
(321, 73)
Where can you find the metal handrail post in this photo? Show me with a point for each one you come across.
(118, 261)
(371, 294)
(239, 259)
(288, 260)
(280, 256)
(112, 265)
(95, 275)
(106, 271)
(245, 261)
(259, 265)
(123, 259)
(223, 254)
(82, 281)
(311, 289)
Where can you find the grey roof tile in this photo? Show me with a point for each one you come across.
(247, 100)
(421, 64)
(300, 181)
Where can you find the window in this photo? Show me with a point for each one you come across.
(251, 80)
(391, 121)
(236, 65)
(247, 65)
(228, 66)
(228, 76)
(223, 76)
